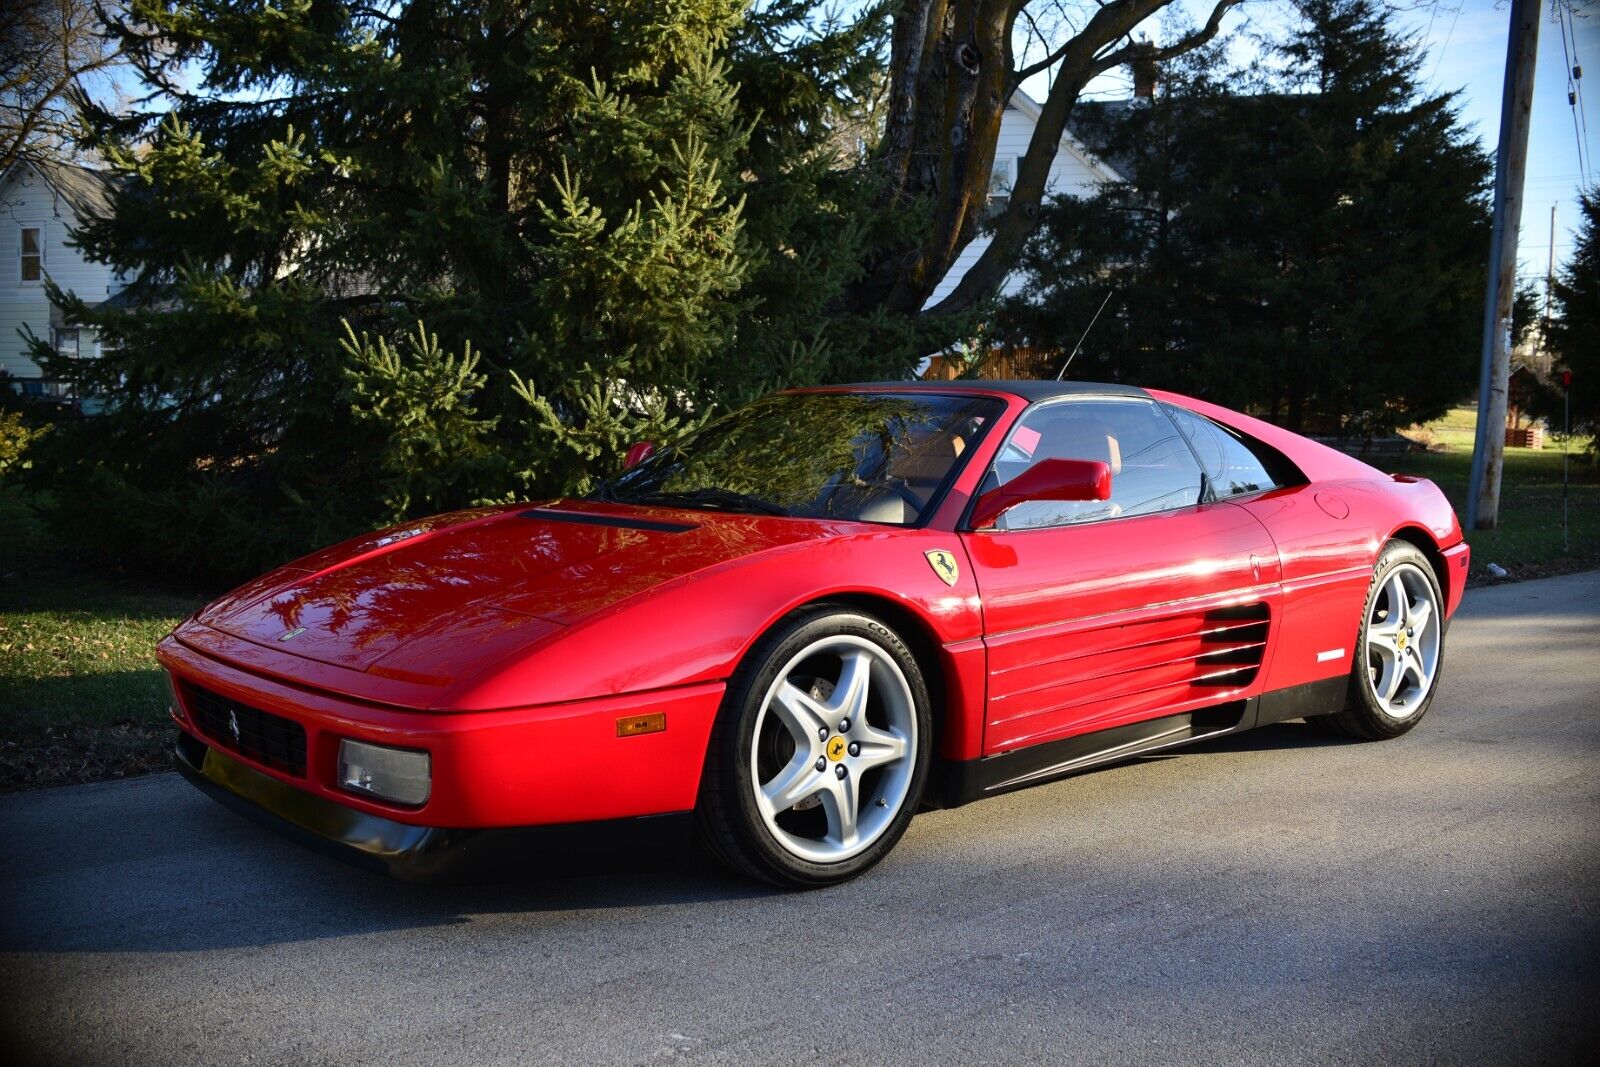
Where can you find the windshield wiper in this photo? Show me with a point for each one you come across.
(712, 497)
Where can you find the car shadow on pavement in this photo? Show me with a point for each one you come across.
(151, 865)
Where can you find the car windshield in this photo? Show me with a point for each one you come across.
(871, 457)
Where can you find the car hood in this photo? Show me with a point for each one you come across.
(434, 600)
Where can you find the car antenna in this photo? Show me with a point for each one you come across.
(1086, 330)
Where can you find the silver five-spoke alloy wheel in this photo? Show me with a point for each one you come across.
(1403, 642)
(834, 748)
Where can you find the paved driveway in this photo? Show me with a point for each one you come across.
(1273, 897)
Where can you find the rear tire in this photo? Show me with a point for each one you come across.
(1399, 650)
(819, 755)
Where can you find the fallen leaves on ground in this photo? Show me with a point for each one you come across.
(70, 755)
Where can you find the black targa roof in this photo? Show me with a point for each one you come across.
(1031, 391)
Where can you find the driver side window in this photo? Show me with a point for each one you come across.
(1152, 468)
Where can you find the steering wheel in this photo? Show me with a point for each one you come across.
(859, 496)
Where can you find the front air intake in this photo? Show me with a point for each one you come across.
(258, 736)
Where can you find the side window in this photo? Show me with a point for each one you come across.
(66, 342)
(1231, 466)
(1001, 179)
(1151, 467)
(31, 254)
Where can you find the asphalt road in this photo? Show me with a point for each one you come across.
(1274, 898)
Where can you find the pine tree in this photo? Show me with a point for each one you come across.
(1575, 328)
(1304, 238)
(628, 214)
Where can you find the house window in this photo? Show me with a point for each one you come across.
(1000, 182)
(32, 254)
(67, 343)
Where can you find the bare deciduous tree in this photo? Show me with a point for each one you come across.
(51, 53)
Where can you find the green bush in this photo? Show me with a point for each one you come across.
(15, 438)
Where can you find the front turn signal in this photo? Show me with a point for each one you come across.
(634, 725)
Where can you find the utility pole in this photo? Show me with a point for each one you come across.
(1511, 164)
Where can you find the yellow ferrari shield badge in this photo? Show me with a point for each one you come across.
(944, 565)
(836, 748)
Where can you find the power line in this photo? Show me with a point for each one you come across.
(1574, 97)
(1577, 78)
(1439, 60)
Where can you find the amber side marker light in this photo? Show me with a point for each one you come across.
(634, 725)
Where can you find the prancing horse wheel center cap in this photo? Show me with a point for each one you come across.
(836, 746)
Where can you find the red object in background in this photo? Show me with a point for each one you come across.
(1566, 379)
(502, 646)
(638, 453)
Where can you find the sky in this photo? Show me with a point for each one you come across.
(1469, 53)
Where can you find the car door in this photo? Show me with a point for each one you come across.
(1098, 614)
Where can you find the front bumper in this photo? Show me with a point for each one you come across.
(429, 853)
(534, 766)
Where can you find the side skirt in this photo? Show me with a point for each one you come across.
(1300, 701)
(963, 781)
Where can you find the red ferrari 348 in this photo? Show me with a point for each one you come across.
(793, 629)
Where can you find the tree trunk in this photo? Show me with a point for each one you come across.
(951, 73)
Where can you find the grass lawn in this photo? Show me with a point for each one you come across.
(1527, 542)
(80, 694)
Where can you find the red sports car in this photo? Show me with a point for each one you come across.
(793, 629)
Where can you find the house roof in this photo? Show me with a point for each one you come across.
(86, 190)
(1099, 167)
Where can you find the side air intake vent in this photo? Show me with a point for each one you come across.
(1233, 642)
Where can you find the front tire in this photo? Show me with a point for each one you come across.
(819, 756)
(1399, 651)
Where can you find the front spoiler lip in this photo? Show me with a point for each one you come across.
(429, 853)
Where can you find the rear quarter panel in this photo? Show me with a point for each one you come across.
(1329, 533)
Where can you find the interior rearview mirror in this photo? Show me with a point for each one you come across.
(1048, 479)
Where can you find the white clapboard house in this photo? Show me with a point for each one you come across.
(1074, 171)
(40, 204)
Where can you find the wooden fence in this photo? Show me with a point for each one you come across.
(1005, 364)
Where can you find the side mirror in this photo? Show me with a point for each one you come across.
(1049, 479)
(637, 454)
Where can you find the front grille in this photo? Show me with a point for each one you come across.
(268, 739)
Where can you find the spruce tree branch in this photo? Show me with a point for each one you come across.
(367, 11)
